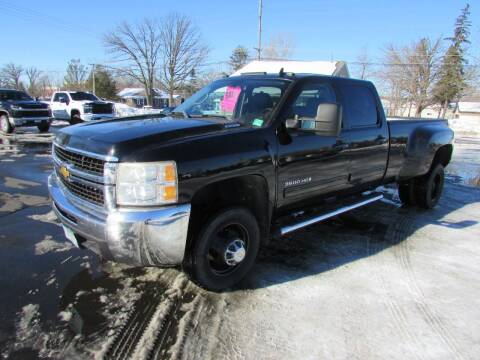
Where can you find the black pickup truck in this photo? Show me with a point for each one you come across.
(20, 109)
(244, 160)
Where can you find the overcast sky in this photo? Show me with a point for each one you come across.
(46, 34)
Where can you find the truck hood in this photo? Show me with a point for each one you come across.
(25, 104)
(92, 102)
(119, 137)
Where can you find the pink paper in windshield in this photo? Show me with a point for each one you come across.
(230, 98)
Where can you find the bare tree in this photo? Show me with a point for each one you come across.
(45, 85)
(209, 76)
(422, 59)
(11, 75)
(33, 75)
(280, 47)
(409, 76)
(183, 51)
(76, 75)
(139, 48)
(391, 82)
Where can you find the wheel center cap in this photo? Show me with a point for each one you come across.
(235, 252)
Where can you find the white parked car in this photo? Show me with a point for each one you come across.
(79, 106)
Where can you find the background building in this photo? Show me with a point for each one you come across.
(136, 97)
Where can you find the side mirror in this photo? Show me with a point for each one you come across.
(327, 121)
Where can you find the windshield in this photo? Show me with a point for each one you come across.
(11, 95)
(248, 101)
(80, 96)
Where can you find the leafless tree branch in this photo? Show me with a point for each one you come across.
(183, 51)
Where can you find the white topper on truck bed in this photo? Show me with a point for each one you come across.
(332, 68)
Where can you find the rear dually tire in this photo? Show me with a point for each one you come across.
(429, 187)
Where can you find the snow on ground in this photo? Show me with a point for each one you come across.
(18, 183)
(122, 110)
(48, 217)
(28, 323)
(50, 245)
(65, 316)
(465, 126)
(17, 201)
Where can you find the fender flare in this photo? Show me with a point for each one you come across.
(422, 145)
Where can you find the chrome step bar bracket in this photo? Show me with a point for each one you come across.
(290, 228)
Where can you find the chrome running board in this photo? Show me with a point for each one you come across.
(290, 228)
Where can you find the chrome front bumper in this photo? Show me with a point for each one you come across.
(136, 237)
(22, 121)
(91, 117)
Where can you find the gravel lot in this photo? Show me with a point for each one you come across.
(383, 282)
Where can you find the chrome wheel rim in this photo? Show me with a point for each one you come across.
(235, 252)
(3, 123)
(228, 248)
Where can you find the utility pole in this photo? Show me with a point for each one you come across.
(260, 10)
(93, 78)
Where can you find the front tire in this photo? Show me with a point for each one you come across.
(225, 249)
(5, 126)
(430, 187)
(43, 127)
(75, 118)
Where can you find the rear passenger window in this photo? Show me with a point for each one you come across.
(359, 106)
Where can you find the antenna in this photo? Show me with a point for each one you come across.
(93, 77)
(260, 10)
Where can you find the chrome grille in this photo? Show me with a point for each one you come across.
(81, 162)
(102, 108)
(31, 113)
(86, 192)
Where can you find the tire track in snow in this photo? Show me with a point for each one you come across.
(155, 344)
(396, 311)
(401, 230)
(140, 324)
(187, 325)
(131, 332)
(160, 324)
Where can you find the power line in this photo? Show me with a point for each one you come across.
(27, 14)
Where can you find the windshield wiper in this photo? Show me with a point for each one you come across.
(181, 113)
(209, 116)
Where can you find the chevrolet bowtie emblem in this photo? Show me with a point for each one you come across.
(64, 172)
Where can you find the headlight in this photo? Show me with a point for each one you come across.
(15, 107)
(87, 108)
(146, 184)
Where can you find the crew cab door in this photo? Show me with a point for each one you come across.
(365, 124)
(59, 106)
(310, 163)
